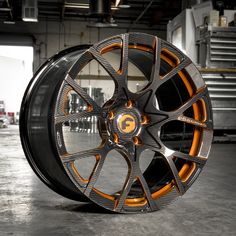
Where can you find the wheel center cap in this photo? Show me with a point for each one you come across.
(126, 123)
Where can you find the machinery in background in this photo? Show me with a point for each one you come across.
(6, 118)
(204, 35)
(76, 105)
(2, 107)
(3, 122)
(222, 89)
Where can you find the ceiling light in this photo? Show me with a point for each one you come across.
(117, 3)
(74, 5)
(82, 6)
(9, 22)
(30, 10)
(30, 19)
(124, 4)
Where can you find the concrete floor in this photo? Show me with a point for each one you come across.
(28, 207)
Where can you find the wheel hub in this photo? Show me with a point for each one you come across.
(126, 123)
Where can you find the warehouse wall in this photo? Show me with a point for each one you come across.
(49, 37)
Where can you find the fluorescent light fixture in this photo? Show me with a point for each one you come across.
(117, 3)
(9, 22)
(77, 5)
(122, 4)
(101, 25)
(30, 19)
(30, 10)
(82, 6)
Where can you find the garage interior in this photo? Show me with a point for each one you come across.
(35, 35)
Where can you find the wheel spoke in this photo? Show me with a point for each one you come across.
(179, 184)
(71, 169)
(200, 93)
(192, 121)
(155, 74)
(75, 116)
(146, 190)
(106, 65)
(83, 154)
(188, 157)
(135, 174)
(82, 93)
(143, 99)
(95, 173)
(178, 113)
(124, 192)
(174, 71)
(124, 56)
(150, 138)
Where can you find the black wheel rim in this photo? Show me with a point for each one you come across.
(129, 123)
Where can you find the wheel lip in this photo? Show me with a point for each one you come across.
(165, 188)
(25, 143)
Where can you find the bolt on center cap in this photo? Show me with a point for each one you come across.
(126, 123)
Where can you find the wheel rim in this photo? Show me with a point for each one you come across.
(133, 122)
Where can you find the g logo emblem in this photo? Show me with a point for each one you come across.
(126, 123)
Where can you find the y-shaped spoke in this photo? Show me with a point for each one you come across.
(106, 65)
(119, 77)
(155, 70)
(75, 116)
(83, 154)
(135, 174)
(199, 94)
(169, 155)
(100, 155)
(124, 192)
(95, 173)
(82, 93)
(178, 113)
(156, 80)
(178, 182)
(174, 71)
(152, 204)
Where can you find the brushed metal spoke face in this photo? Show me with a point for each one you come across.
(131, 123)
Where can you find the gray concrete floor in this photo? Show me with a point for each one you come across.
(28, 207)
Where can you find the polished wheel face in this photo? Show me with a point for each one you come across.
(143, 147)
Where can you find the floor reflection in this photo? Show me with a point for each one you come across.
(28, 207)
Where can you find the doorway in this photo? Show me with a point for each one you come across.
(16, 70)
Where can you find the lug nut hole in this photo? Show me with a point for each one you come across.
(145, 120)
(130, 104)
(116, 138)
(111, 115)
(137, 140)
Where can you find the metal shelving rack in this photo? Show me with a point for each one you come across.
(217, 57)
